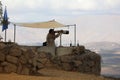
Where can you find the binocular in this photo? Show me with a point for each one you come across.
(62, 31)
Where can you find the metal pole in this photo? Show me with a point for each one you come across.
(14, 33)
(5, 34)
(60, 40)
(74, 34)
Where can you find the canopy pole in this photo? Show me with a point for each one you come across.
(5, 35)
(60, 40)
(74, 25)
(74, 34)
(14, 33)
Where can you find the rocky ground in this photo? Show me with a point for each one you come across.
(54, 74)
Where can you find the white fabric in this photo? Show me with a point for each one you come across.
(48, 24)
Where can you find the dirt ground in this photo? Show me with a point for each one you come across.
(53, 74)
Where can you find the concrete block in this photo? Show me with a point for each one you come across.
(63, 50)
(47, 49)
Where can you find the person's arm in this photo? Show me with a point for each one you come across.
(57, 35)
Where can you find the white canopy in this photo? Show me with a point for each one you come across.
(48, 24)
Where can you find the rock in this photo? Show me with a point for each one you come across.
(42, 60)
(15, 51)
(22, 59)
(91, 63)
(4, 63)
(42, 55)
(81, 49)
(57, 61)
(12, 59)
(81, 68)
(1, 69)
(67, 58)
(5, 50)
(40, 66)
(77, 63)
(19, 68)
(2, 46)
(2, 57)
(78, 50)
(10, 68)
(29, 54)
(49, 64)
(25, 70)
(87, 69)
(66, 66)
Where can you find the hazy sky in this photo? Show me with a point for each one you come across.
(96, 20)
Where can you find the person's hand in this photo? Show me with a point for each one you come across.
(61, 31)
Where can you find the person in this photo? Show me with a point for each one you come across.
(51, 36)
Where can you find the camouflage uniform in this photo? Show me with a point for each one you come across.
(51, 39)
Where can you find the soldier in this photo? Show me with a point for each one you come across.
(52, 36)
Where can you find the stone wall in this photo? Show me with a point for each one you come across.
(28, 60)
(14, 58)
(81, 60)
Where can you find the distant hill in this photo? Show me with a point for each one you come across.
(104, 47)
(31, 44)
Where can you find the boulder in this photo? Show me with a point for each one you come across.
(42, 55)
(22, 59)
(5, 50)
(15, 51)
(2, 57)
(66, 66)
(3, 63)
(19, 68)
(78, 50)
(10, 68)
(25, 70)
(77, 63)
(29, 53)
(67, 58)
(81, 49)
(40, 65)
(12, 59)
(2, 46)
(1, 69)
(42, 60)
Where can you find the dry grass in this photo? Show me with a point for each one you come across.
(52, 74)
